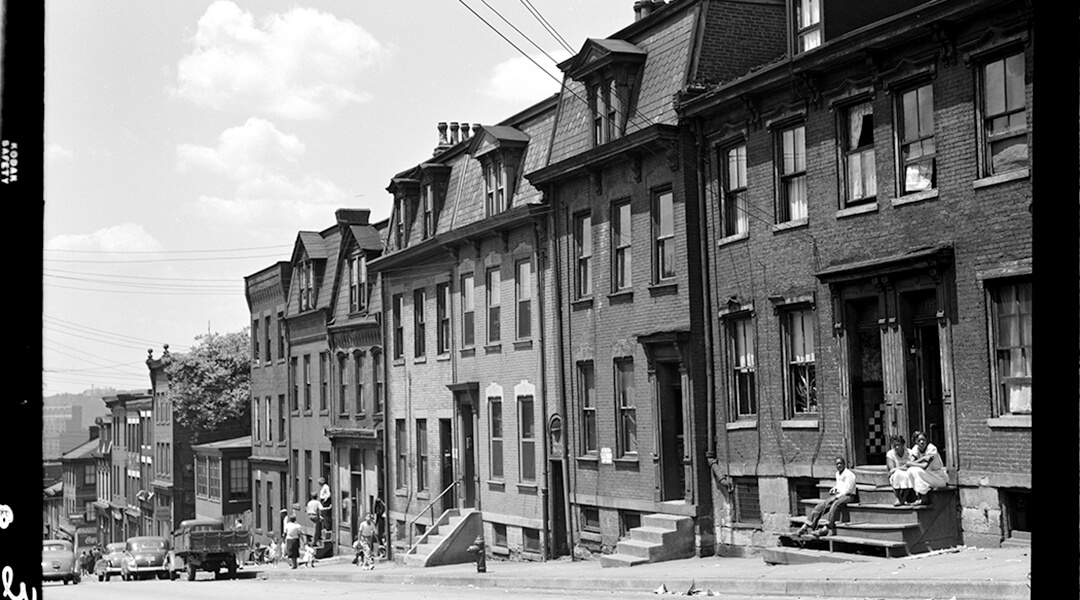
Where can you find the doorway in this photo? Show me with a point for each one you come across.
(867, 382)
(559, 545)
(922, 368)
(672, 439)
(467, 455)
(446, 462)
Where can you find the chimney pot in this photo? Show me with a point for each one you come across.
(464, 131)
(454, 126)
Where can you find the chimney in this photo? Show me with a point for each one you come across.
(94, 430)
(352, 216)
(464, 131)
(644, 8)
(453, 132)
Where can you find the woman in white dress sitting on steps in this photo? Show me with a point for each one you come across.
(926, 469)
(897, 459)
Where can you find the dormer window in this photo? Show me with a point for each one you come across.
(428, 199)
(609, 69)
(807, 25)
(406, 191)
(307, 285)
(399, 224)
(494, 186)
(358, 283)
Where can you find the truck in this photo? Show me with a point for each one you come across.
(205, 545)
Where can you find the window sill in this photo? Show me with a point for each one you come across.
(1010, 422)
(582, 302)
(799, 424)
(591, 536)
(1002, 178)
(621, 295)
(746, 525)
(500, 551)
(401, 493)
(465, 352)
(399, 362)
(747, 424)
(626, 460)
(523, 345)
(664, 286)
(527, 487)
(493, 349)
(592, 458)
(803, 222)
(915, 197)
(423, 495)
(419, 360)
(862, 209)
(442, 357)
(496, 483)
(731, 239)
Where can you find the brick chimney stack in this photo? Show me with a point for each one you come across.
(464, 131)
(454, 126)
(644, 8)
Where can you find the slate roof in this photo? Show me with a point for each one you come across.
(240, 442)
(84, 450)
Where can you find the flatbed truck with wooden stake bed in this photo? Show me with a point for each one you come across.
(205, 545)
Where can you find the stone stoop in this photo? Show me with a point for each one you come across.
(873, 526)
(661, 537)
(1018, 539)
(434, 547)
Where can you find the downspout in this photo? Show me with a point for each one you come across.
(546, 490)
(571, 440)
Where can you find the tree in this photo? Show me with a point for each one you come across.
(211, 384)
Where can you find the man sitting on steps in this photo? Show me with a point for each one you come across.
(843, 492)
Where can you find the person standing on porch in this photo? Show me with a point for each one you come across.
(842, 493)
(926, 468)
(326, 501)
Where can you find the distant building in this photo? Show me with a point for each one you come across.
(130, 511)
(223, 480)
(80, 484)
(62, 429)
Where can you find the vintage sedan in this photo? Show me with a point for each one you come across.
(147, 556)
(58, 562)
(110, 564)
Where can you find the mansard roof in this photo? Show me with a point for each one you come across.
(598, 53)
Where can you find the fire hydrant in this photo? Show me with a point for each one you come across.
(481, 556)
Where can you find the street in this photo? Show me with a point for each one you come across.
(209, 589)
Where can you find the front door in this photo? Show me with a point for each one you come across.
(446, 464)
(672, 440)
(868, 410)
(467, 454)
(922, 368)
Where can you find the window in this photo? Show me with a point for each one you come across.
(496, 425)
(343, 384)
(1010, 335)
(324, 380)
(295, 399)
(918, 161)
(499, 532)
(215, 478)
(747, 500)
(310, 472)
(583, 252)
(743, 391)
(281, 417)
(376, 378)
(419, 331)
(664, 232)
(399, 331)
(587, 401)
(269, 420)
(399, 224)
(494, 185)
(530, 539)
(307, 382)
(266, 339)
(621, 239)
(736, 219)
(468, 311)
(271, 516)
(421, 455)
(256, 418)
(590, 519)
(281, 336)
(239, 478)
(792, 162)
(800, 383)
(523, 291)
(201, 476)
(428, 199)
(1004, 114)
(493, 296)
(358, 380)
(307, 285)
(358, 288)
(256, 354)
(402, 453)
(295, 464)
(442, 333)
(607, 112)
(90, 475)
(624, 401)
(808, 24)
(527, 429)
(860, 175)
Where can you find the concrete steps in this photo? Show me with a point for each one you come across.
(1018, 539)
(660, 537)
(445, 541)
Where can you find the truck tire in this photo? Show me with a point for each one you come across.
(190, 572)
(232, 569)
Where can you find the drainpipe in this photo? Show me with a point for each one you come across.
(545, 492)
(568, 448)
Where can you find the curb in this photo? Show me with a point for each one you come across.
(851, 588)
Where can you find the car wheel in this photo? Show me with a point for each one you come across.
(67, 581)
(172, 575)
(107, 576)
(101, 578)
(190, 572)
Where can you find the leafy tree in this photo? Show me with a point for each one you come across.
(211, 384)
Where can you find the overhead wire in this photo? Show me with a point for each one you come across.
(544, 22)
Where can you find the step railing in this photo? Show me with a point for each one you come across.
(430, 509)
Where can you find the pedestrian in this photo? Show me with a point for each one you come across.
(842, 493)
(271, 556)
(365, 544)
(293, 532)
(326, 501)
(314, 510)
(308, 559)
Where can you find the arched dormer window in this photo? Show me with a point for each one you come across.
(609, 69)
(499, 149)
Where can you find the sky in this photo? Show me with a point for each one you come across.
(186, 144)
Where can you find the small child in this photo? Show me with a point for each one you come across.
(308, 557)
(272, 553)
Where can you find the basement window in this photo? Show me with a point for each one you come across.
(747, 501)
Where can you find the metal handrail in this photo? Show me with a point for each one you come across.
(429, 508)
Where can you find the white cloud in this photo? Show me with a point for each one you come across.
(302, 64)
(519, 80)
(270, 186)
(126, 237)
(55, 151)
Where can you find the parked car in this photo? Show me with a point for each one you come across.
(58, 561)
(110, 564)
(147, 556)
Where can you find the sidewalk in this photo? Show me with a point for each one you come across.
(963, 573)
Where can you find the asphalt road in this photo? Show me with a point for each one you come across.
(206, 588)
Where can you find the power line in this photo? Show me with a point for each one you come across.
(555, 34)
(138, 277)
(236, 287)
(535, 45)
(167, 251)
(160, 260)
(79, 326)
(152, 293)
